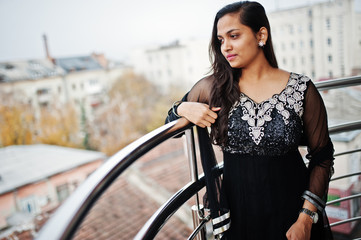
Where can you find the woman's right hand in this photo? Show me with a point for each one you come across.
(198, 113)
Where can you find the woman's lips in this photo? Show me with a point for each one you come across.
(231, 57)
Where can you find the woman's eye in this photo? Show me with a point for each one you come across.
(234, 36)
(220, 40)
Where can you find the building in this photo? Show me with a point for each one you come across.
(79, 80)
(35, 179)
(322, 40)
(344, 105)
(180, 64)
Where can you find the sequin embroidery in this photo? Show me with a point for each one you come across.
(257, 115)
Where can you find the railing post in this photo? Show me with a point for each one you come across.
(197, 209)
(196, 221)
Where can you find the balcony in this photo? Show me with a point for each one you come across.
(90, 206)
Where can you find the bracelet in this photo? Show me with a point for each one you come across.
(315, 197)
(174, 108)
(313, 201)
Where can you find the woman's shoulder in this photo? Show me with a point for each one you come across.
(201, 90)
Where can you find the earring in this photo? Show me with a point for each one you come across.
(261, 44)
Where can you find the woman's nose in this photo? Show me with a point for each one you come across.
(226, 45)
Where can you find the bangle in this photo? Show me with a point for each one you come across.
(314, 199)
(175, 107)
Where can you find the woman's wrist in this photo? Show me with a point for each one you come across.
(180, 109)
(305, 219)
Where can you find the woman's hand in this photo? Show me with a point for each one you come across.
(301, 229)
(198, 113)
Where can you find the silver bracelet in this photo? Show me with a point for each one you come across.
(315, 197)
(306, 197)
(174, 108)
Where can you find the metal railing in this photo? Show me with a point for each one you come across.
(66, 220)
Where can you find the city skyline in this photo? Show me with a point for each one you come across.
(110, 27)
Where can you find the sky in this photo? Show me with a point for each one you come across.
(112, 27)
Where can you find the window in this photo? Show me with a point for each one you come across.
(292, 45)
(62, 192)
(328, 23)
(290, 27)
(300, 28)
(284, 61)
(310, 13)
(310, 27)
(329, 41)
(330, 74)
(311, 43)
(330, 58)
(30, 205)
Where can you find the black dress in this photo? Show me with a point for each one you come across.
(264, 174)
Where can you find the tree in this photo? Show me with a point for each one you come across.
(129, 114)
(59, 125)
(16, 121)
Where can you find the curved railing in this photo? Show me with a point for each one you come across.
(151, 228)
(68, 217)
(66, 220)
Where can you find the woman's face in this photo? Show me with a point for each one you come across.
(238, 42)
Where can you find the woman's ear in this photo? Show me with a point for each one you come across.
(262, 35)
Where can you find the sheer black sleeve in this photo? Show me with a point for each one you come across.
(320, 147)
(199, 93)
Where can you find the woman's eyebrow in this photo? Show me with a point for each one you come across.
(228, 32)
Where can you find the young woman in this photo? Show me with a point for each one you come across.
(259, 115)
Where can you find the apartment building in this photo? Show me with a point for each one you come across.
(180, 64)
(80, 80)
(322, 40)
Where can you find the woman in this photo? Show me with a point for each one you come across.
(259, 115)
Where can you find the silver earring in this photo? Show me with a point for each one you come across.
(261, 44)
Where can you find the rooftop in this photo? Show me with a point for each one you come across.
(28, 70)
(81, 63)
(24, 164)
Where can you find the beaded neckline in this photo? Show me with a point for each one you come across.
(273, 96)
(258, 114)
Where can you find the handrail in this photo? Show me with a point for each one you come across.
(344, 199)
(153, 225)
(63, 224)
(346, 176)
(345, 127)
(347, 152)
(338, 83)
(199, 228)
(346, 221)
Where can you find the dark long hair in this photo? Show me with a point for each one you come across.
(225, 90)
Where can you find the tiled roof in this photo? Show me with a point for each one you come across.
(125, 207)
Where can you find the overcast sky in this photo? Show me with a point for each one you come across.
(112, 27)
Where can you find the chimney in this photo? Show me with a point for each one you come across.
(47, 48)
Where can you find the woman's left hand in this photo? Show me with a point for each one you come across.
(301, 229)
